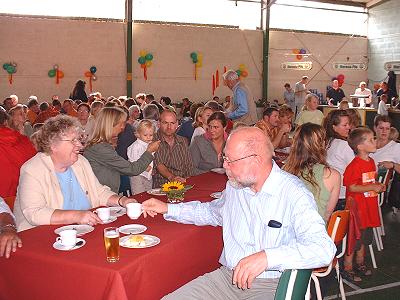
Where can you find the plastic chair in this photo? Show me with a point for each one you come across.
(293, 285)
(10, 201)
(337, 229)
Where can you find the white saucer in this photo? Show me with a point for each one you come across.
(117, 211)
(80, 229)
(149, 241)
(216, 195)
(156, 192)
(218, 170)
(110, 220)
(57, 245)
(132, 229)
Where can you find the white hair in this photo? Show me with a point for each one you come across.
(133, 108)
(230, 75)
(362, 83)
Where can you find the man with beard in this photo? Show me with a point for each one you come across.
(269, 219)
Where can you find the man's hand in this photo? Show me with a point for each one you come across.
(153, 146)
(9, 241)
(153, 206)
(378, 187)
(178, 178)
(249, 268)
(285, 128)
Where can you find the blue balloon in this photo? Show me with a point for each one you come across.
(93, 69)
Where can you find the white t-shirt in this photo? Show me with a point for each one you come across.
(382, 108)
(305, 116)
(339, 155)
(389, 152)
(299, 98)
(197, 131)
(365, 92)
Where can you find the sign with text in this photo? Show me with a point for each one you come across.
(349, 66)
(299, 66)
(392, 66)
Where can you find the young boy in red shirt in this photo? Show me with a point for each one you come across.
(359, 179)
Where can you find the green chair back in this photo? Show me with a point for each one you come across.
(293, 285)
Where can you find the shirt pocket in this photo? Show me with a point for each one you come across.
(275, 236)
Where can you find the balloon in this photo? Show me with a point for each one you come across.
(55, 67)
(88, 74)
(195, 60)
(52, 73)
(296, 51)
(60, 74)
(244, 73)
(239, 72)
(200, 57)
(340, 83)
(340, 77)
(141, 60)
(11, 69)
(299, 57)
(143, 66)
(199, 64)
(149, 63)
(94, 77)
(14, 64)
(303, 51)
(193, 55)
(242, 67)
(149, 56)
(5, 66)
(93, 69)
(142, 53)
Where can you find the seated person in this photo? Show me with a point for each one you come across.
(276, 132)
(186, 128)
(206, 149)
(311, 113)
(200, 121)
(57, 185)
(9, 240)
(172, 161)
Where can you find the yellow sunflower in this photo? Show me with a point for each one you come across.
(173, 186)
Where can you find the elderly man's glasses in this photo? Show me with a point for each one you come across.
(228, 161)
(75, 141)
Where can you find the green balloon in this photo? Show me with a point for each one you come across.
(5, 66)
(52, 73)
(141, 60)
(149, 57)
(193, 55)
(11, 69)
(239, 72)
(195, 60)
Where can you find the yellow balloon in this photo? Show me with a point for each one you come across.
(149, 63)
(142, 53)
(200, 56)
(199, 64)
(242, 67)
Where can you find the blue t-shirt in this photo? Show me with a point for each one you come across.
(74, 197)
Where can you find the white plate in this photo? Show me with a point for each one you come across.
(216, 195)
(80, 229)
(218, 170)
(57, 245)
(110, 220)
(156, 192)
(149, 241)
(132, 229)
(117, 211)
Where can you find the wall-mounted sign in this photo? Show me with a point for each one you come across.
(349, 66)
(392, 66)
(294, 65)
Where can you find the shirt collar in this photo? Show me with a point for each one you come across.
(142, 143)
(161, 138)
(236, 85)
(273, 180)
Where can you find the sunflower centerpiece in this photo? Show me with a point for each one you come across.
(174, 190)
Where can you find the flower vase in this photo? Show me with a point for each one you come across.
(175, 197)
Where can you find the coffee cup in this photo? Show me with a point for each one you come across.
(134, 210)
(103, 213)
(67, 237)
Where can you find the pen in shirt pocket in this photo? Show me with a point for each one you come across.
(274, 224)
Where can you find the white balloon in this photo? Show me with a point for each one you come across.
(94, 78)
(55, 67)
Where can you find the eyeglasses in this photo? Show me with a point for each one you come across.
(228, 161)
(75, 141)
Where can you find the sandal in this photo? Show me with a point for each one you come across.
(349, 275)
(363, 270)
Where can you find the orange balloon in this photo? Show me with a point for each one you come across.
(299, 57)
(143, 66)
(60, 74)
(244, 73)
(88, 74)
(296, 51)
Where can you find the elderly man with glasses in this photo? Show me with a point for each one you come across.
(269, 219)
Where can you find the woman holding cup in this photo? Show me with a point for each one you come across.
(57, 185)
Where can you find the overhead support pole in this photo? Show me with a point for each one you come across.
(128, 18)
(267, 4)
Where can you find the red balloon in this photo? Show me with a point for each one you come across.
(88, 74)
(340, 83)
(299, 57)
(340, 77)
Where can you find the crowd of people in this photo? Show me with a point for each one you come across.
(63, 159)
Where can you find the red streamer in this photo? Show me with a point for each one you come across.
(145, 72)
(195, 71)
(10, 79)
(213, 84)
(90, 84)
(217, 79)
(224, 69)
(57, 77)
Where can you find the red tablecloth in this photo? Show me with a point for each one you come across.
(38, 271)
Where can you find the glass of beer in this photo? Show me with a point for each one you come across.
(111, 242)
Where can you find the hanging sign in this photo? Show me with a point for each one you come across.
(349, 66)
(392, 66)
(299, 66)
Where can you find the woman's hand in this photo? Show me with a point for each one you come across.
(153, 206)
(9, 241)
(386, 164)
(87, 217)
(153, 146)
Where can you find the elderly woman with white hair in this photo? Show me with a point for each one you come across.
(364, 91)
(243, 107)
(57, 185)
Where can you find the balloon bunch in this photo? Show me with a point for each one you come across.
(90, 74)
(242, 71)
(56, 72)
(340, 79)
(145, 61)
(299, 53)
(10, 68)
(197, 60)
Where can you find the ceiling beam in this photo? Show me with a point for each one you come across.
(348, 3)
(374, 3)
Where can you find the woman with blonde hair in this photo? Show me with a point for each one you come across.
(200, 121)
(311, 113)
(18, 121)
(100, 151)
(307, 160)
(354, 118)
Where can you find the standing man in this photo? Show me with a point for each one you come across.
(300, 93)
(289, 96)
(385, 89)
(172, 161)
(335, 94)
(269, 221)
(243, 107)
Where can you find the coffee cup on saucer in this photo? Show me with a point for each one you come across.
(103, 213)
(67, 238)
(134, 210)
